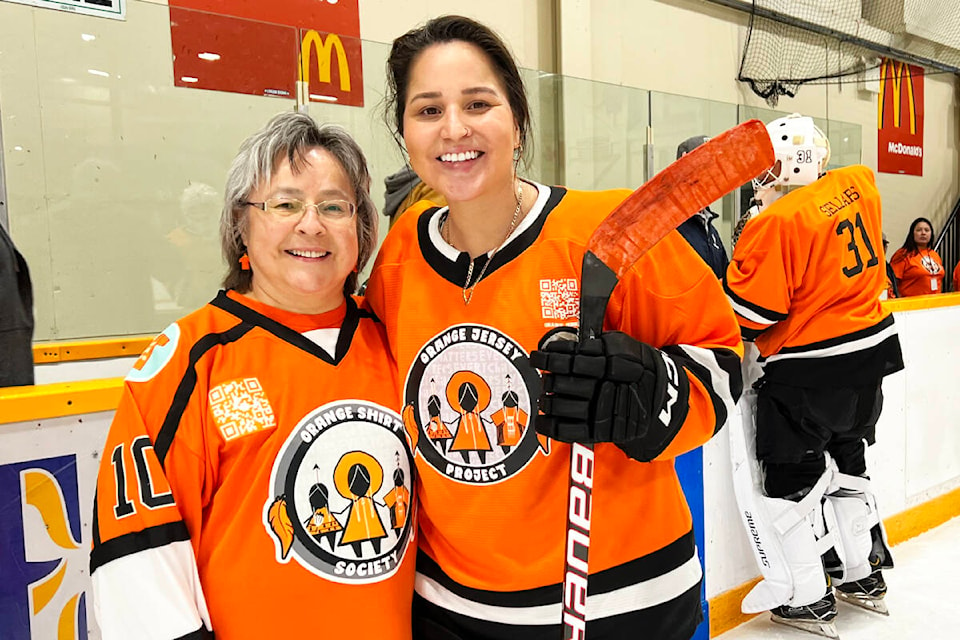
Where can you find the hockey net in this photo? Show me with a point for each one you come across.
(795, 42)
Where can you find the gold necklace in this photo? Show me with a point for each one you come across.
(445, 234)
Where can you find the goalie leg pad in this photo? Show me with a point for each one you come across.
(788, 538)
(859, 529)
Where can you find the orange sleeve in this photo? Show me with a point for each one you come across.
(759, 281)
(143, 561)
(899, 262)
(671, 300)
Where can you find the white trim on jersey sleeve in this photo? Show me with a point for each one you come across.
(635, 597)
(719, 378)
(749, 314)
(150, 595)
(841, 349)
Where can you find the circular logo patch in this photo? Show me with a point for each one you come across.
(341, 493)
(473, 394)
(156, 356)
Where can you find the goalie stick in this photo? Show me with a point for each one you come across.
(682, 189)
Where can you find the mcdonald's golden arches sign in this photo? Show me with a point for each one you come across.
(900, 118)
(281, 48)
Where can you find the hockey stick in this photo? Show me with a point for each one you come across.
(685, 187)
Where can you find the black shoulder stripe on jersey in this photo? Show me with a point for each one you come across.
(648, 567)
(350, 323)
(456, 272)
(131, 543)
(187, 383)
(749, 334)
(848, 337)
(199, 634)
(771, 316)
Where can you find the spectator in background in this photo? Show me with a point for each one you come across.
(698, 230)
(16, 316)
(917, 267)
(956, 278)
(403, 189)
(892, 288)
(196, 265)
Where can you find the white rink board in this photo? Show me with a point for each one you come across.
(64, 454)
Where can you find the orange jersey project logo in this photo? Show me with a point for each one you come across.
(469, 397)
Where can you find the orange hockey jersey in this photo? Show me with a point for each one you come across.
(918, 272)
(256, 484)
(806, 280)
(494, 502)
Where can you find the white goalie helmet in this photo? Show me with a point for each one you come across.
(802, 153)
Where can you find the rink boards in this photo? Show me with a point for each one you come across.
(51, 436)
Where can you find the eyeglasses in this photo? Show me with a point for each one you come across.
(286, 208)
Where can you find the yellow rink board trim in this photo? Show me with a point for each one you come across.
(915, 303)
(130, 346)
(725, 611)
(25, 404)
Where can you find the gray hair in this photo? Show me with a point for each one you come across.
(290, 135)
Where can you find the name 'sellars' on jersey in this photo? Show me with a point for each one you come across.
(806, 280)
(257, 482)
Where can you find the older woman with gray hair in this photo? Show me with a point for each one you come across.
(256, 457)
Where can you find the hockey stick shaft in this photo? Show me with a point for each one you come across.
(685, 187)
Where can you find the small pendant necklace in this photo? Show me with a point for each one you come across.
(445, 234)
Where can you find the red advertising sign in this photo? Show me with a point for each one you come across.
(215, 52)
(900, 118)
(272, 48)
(338, 16)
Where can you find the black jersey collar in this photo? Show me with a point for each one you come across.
(349, 327)
(453, 266)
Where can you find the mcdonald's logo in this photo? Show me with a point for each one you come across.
(900, 108)
(898, 75)
(313, 45)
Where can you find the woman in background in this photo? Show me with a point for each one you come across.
(256, 480)
(918, 267)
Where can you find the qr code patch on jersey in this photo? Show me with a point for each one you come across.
(559, 299)
(240, 407)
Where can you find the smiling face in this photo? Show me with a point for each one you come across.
(300, 265)
(921, 234)
(458, 127)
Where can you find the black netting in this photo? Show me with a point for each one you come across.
(803, 41)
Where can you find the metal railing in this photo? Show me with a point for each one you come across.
(948, 245)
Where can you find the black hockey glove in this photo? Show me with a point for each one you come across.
(613, 389)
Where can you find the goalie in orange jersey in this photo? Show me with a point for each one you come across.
(806, 280)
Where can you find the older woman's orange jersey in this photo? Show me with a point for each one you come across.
(493, 517)
(806, 279)
(257, 483)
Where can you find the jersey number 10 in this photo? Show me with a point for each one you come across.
(148, 498)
